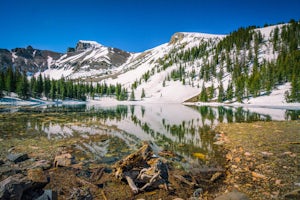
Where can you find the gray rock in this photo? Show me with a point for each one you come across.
(1, 162)
(14, 186)
(7, 171)
(19, 186)
(19, 157)
(235, 195)
(198, 192)
(293, 195)
(48, 195)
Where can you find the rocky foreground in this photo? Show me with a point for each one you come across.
(140, 175)
(263, 158)
(262, 162)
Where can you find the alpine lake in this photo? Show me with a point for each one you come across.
(106, 134)
(103, 135)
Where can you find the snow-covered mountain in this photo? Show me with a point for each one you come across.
(171, 72)
(88, 60)
(152, 63)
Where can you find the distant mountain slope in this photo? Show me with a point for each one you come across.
(27, 59)
(89, 59)
(247, 63)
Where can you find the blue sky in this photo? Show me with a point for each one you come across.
(132, 25)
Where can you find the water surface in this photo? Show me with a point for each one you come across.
(174, 127)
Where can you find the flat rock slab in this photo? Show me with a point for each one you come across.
(18, 157)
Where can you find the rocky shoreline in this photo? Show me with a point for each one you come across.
(140, 175)
(262, 162)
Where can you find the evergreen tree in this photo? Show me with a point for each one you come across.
(62, 88)
(143, 94)
(23, 87)
(53, 89)
(221, 95)
(132, 97)
(39, 86)
(211, 92)
(295, 90)
(203, 95)
(9, 80)
(229, 92)
(240, 88)
(33, 87)
(47, 87)
(2, 84)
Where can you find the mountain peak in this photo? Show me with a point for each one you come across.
(86, 44)
(182, 36)
(176, 37)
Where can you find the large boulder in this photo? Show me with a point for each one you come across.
(17, 186)
(17, 157)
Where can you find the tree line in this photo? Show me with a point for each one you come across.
(13, 80)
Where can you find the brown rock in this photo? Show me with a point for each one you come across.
(257, 175)
(247, 154)
(37, 175)
(63, 160)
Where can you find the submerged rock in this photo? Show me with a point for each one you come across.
(19, 157)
